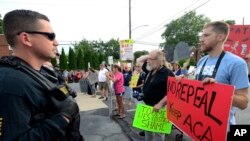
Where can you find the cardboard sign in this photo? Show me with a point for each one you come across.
(134, 80)
(110, 60)
(191, 69)
(182, 51)
(201, 111)
(238, 41)
(148, 120)
(126, 49)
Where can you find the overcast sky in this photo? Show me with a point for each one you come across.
(73, 20)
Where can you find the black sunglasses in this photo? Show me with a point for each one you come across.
(51, 36)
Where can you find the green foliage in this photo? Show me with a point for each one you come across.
(63, 61)
(84, 46)
(79, 59)
(54, 62)
(87, 58)
(95, 52)
(95, 61)
(192, 62)
(102, 58)
(230, 22)
(113, 49)
(1, 25)
(72, 60)
(137, 54)
(181, 62)
(185, 28)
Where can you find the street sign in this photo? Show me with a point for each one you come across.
(181, 51)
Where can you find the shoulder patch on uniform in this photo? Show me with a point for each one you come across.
(1, 126)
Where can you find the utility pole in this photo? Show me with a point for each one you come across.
(130, 32)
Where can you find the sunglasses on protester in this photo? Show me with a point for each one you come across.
(50, 36)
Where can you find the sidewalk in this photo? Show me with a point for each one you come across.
(95, 122)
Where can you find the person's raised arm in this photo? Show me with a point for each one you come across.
(142, 59)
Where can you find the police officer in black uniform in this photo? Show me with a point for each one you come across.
(32, 108)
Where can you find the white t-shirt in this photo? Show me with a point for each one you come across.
(102, 75)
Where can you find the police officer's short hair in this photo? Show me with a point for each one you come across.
(17, 21)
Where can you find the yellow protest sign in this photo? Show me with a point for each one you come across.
(126, 49)
(148, 120)
(134, 80)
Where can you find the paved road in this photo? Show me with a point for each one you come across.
(95, 122)
(97, 126)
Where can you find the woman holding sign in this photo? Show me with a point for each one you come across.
(118, 81)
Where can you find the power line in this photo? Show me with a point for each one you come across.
(125, 28)
(28, 3)
(161, 26)
(146, 43)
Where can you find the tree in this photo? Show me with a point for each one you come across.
(113, 49)
(79, 59)
(1, 24)
(95, 60)
(137, 54)
(72, 60)
(230, 22)
(87, 58)
(95, 52)
(63, 61)
(85, 46)
(186, 29)
(102, 58)
(54, 62)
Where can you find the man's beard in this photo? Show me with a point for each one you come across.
(149, 67)
(208, 47)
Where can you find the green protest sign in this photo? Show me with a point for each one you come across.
(148, 120)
